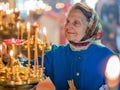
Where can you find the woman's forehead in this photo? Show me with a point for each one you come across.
(77, 14)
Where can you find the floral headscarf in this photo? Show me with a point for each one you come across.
(94, 28)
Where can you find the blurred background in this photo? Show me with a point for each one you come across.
(15, 14)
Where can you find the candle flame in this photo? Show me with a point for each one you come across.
(28, 26)
(16, 10)
(44, 31)
(11, 53)
(18, 25)
(13, 40)
(0, 47)
(60, 5)
(113, 70)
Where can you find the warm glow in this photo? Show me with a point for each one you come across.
(41, 4)
(4, 6)
(48, 8)
(11, 11)
(0, 47)
(18, 25)
(34, 5)
(11, 53)
(35, 23)
(13, 40)
(59, 5)
(16, 10)
(28, 26)
(8, 11)
(113, 67)
(44, 31)
(113, 71)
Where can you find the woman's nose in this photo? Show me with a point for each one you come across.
(69, 25)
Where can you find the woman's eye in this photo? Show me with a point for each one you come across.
(66, 22)
(76, 23)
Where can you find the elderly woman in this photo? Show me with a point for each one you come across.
(80, 64)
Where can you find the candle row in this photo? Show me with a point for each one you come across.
(35, 45)
(36, 26)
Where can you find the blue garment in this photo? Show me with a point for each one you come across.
(119, 87)
(85, 67)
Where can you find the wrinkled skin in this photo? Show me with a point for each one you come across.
(76, 25)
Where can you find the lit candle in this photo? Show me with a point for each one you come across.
(21, 31)
(13, 42)
(28, 11)
(12, 58)
(44, 35)
(12, 62)
(16, 11)
(1, 50)
(35, 25)
(36, 49)
(43, 51)
(44, 43)
(112, 72)
(28, 37)
(18, 28)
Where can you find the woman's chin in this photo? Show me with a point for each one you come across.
(70, 40)
(73, 41)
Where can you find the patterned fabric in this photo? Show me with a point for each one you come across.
(94, 29)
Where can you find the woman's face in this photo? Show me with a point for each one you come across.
(76, 25)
